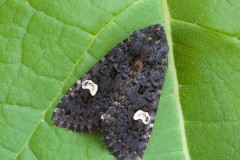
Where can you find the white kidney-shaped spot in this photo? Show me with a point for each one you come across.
(102, 117)
(91, 86)
(144, 116)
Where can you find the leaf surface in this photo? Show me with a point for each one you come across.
(45, 46)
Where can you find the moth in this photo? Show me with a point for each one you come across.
(119, 96)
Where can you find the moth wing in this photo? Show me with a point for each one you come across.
(125, 137)
(128, 124)
(81, 111)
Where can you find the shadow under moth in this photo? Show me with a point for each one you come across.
(119, 96)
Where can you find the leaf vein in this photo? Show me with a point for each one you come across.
(205, 28)
(55, 18)
(67, 78)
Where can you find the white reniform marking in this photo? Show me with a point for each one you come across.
(102, 117)
(144, 116)
(91, 86)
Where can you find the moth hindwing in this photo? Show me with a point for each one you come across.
(119, 95)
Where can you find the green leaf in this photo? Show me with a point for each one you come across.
(45, 46)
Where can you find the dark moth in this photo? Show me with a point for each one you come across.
(119, 95)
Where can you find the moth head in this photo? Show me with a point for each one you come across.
(148, 46)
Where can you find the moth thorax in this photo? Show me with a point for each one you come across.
(91, 86)
(144, 116)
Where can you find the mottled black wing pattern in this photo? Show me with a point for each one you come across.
(79, 110)
(120, 94)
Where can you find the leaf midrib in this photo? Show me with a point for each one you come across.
(176, 84)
